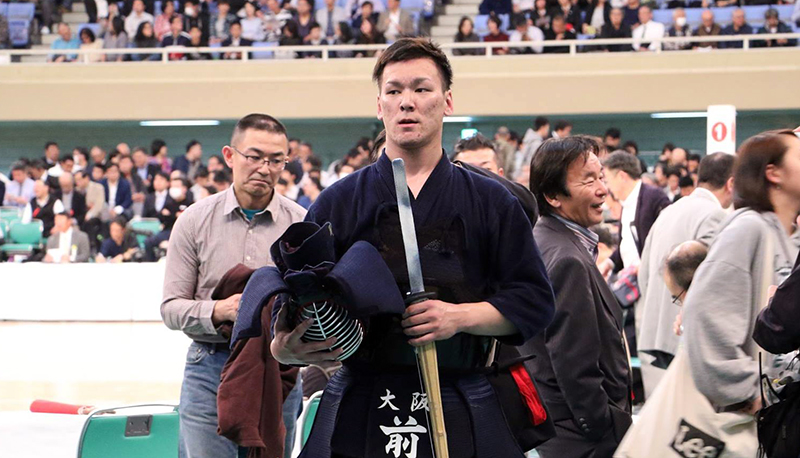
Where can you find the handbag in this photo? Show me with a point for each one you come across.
(779, 423)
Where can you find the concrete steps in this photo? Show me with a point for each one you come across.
(461, 10)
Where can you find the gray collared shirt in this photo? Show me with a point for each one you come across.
(208, 239)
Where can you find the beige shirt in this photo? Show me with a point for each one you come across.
(209, 238)
(96, 197)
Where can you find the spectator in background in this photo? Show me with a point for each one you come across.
(235, 39)
(707, 28)
(796, 14)
(5, 42)
(98, 156)
(678, 158)
(525, 32)
(292, 175)
(679, 29)
(222, 180)
(314, 38)
(534, 137)
(571, 14)
(395, 22)
(496, 35)
(329, 16)
(367, 12)
(191, 161)
(304, 17)
(540, 15)
(115, 38)
(51, 154)
(522, 6)
(64, 41)
(74, 202)
(121, 246)
(145, 38)
(138, 187)
(19, 190)
(466, 34)
(738, 26)
(215, 163)
(195, 14)
(480, 152)
(353, 7)
(43, 206)
(633, 148)
(88, 42)
(686, 185)
(176, 37)
(177, 202)
(66, 244)
(647, 30)
(342, 35)
(673, 189)
(201, 180)
(154, 202)
(163, 23)
(252, 25)
(495, 7)
(615, 28)
(611, 139)
(220, 22)
(368, 35)
(562, 129)
(159, 155)
(118, 195)
(772, 25)
(142, 168)
(274, 19)
(137, 17)
(559, 31)
(311, 190)
(693, 163)
(631, 11)
(81, 156)
(597, 15)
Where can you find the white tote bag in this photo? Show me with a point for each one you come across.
(679, 421)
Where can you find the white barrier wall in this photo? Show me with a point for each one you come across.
(81, 292)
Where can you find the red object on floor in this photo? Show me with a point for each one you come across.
(529, 394)
(42, 406)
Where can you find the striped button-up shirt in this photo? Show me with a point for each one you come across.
(588, 238)
(208, 239)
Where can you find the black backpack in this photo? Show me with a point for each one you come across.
(779, 424)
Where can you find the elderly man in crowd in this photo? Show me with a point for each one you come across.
(67, 244)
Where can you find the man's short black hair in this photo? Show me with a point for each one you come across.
(222, 177)
(235, 22)
(161, 174)
(613, 132)
(632, 144)
(65, 157)
(18, 166)
(473, 143)
(258, 121)
(37, 164)
(676, 171)
(562, 124)
(49, 144)
(191, 144)
(314, 25)
(625, 162)
(551, 163)
(81, 174)
(540, 122)
(202, 172)
(296, 169)
(694, 157)
(716, 169)
(156, 146)
(407, 48)
(685, 181)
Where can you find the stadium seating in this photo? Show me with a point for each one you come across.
(23, 238)
(263, 54)
(20, 18)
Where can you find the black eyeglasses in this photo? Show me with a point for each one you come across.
(274, 163)
(676, 300)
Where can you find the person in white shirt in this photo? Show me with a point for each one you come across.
(648, 30)
(137, 16)
(525, 32)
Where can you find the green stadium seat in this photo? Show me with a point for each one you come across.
(108, 434)
(305, 422)
(23, 238)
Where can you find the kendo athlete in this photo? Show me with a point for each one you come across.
(478, 255)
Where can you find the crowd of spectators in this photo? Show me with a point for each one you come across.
(555, 20)
(101, 192)
(228, 23)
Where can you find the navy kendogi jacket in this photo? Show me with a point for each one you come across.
(476, 244)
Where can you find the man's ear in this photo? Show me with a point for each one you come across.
(553, 201)
(227, 154)
(449, 108)
(380, 109)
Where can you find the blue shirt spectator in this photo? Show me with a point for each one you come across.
(65, 41)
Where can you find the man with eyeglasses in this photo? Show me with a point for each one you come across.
(236, 226)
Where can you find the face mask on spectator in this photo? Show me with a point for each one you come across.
(176, 192)
(189, 11)
(680, 22)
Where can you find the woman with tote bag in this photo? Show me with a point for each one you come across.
(706, 402)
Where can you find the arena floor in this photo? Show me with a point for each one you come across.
(101, 364)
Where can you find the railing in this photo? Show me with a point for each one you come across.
(326, 52)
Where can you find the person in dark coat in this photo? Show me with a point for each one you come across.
(615, 28)
(581, 364)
